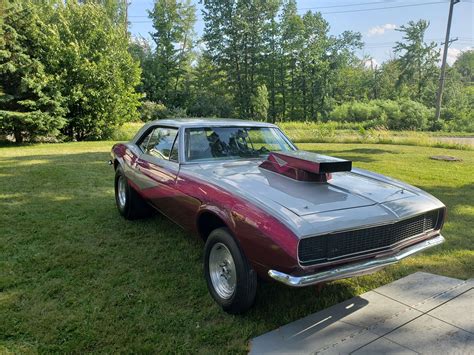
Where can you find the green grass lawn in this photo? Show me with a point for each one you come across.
(76, 277)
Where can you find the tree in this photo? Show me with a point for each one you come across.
(291, 43)
(31, 103)
(417, 62)
(97, 74)
(210, 95)
(141, 51)
(272, 57)
(465, 66)
(260, 103)
(116, 10)
(68, 60)
(311, 62)
(173, 23)
(234, 40)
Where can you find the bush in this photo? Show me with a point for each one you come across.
(176, 112)
(361, 111)
(29, 125)
(150, 111)
(458, 115)
(398, 115)
(341, 113)
(413, 116)
(457, 120)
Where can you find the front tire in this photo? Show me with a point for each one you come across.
(230, 279)
(129, 203)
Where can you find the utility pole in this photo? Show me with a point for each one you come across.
(443, 63)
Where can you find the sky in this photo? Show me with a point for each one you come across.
(376, 20)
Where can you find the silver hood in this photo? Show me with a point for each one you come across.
(348, 200)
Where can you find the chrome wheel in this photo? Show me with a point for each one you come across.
(222, 271)
(122, 191)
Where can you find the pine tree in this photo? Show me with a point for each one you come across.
(173, 23)
(417, 61)
(30, 101)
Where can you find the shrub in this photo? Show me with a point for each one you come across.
(176, 112)
(341, 113)
(151, 110)
(398, 115)
(362, 111)
(29, 125)
(413, 116)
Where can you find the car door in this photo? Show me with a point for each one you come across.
(159, 167)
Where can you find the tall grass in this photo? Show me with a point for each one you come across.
(341, 132)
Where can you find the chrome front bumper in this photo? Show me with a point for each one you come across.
(359, 268)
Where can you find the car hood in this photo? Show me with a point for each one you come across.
(345, 190)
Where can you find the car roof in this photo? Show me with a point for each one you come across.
(198, 122)
(206, 122)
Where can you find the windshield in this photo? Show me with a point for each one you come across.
(207, 143)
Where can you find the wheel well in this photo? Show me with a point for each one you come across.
(207, 222)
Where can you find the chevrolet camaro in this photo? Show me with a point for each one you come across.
(266, 210)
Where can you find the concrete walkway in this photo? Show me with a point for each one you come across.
(421, 313)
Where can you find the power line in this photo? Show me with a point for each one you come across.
(385, 7)
(348, 5)
(324, 7)
(460, 39)
(339, 12)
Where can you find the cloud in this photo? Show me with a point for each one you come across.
(371, 63)
(454, 53)
(380, 30)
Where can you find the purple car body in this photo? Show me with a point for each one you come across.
(292, 221)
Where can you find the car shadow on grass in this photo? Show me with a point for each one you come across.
(369, 151)
(357, 154)
(344, 155)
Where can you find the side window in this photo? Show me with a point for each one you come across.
(161, 142)
(174, 156)
(144, 141)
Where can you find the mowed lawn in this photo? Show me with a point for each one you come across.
(76, 277)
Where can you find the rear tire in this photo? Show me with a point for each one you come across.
(129, 203)
(230, 279)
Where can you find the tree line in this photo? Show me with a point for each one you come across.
(71, 69)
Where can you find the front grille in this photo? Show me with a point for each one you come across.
(324, 248)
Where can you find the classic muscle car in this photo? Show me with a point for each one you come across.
(265, 208)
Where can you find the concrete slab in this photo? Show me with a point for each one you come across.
(405, 316)
(458, 311)
(445, 296)
(429, 335)
(417, 288)
(318, 330)
(384, 346)
(381, 315)
(347, 345)
(345, 326)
